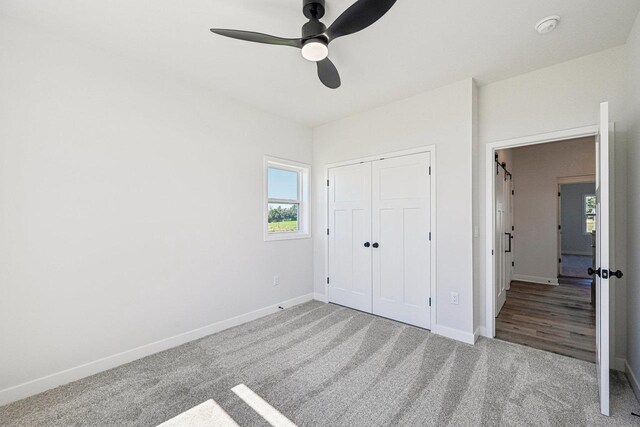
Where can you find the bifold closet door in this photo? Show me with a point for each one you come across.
(401, 198)
(350, 236)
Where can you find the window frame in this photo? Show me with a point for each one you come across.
(304, 172)
(585, 215)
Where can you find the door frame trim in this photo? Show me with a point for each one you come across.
(431, 149)
(490, 244)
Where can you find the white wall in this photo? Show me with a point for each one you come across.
(536, 170)
(130, 207)
(563, 96)
(442, 117)
(575, 240)
(633, 227)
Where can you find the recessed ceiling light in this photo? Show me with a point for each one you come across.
(547, 24)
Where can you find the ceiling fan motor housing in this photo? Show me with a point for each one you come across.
(312, 29)
(313, 9)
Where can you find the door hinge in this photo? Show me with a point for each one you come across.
(429, 301)
(327, 231)
(513, 192)
(429, 236)
(560, 260)
(327, 280)
(491, 251)
(327, 183)
(513, 264)
(559, 194)
(513, 228)
(429, 170)
(559, 227)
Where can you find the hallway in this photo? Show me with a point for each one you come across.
(559, 319)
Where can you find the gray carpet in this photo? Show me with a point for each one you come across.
(321, 364)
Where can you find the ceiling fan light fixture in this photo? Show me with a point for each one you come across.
(315, 50)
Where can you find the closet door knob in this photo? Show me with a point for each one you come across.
(366, 245)
(376, 245)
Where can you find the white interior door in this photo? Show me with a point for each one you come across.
(500, 250)
(602, 256)
(510, 235)
(349, 232)
(401, 239)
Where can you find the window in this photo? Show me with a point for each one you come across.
(286, 200)
(589, 210)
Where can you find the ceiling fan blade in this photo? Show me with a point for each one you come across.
(328, 74)
(359, 16)
(258, 37)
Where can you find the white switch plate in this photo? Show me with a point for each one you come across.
(454, 298)
(276, 280)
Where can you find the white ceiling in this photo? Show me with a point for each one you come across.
(418, 45)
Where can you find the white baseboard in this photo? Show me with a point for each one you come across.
(477, 333)
(589, 254)
(456, 334)
(635, 385)
(481, 331)
(536, 279)
(48, 382)
(320, 297)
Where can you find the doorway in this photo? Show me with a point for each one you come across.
(544, 201)
(576, 226)
(605, 294)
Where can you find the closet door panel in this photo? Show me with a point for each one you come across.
(386, 262)
(401, 224)
(349, 230)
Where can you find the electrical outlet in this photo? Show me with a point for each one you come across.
(454, 298)
(276, 280)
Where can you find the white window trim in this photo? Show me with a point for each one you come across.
(584, 213)
(304, 175)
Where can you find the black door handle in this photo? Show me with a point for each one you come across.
(617, 274)
(510, 237)
(367, 244)
(376, 245)
(605, 274)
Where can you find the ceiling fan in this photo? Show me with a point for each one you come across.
(316, 37)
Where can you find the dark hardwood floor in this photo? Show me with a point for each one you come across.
(559, 319)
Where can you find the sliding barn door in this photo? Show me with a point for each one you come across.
(350, 236)
(502, 222)
(510, 259)
(401, 239)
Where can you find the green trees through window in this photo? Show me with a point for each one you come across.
(283, 218)
(590, 212)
